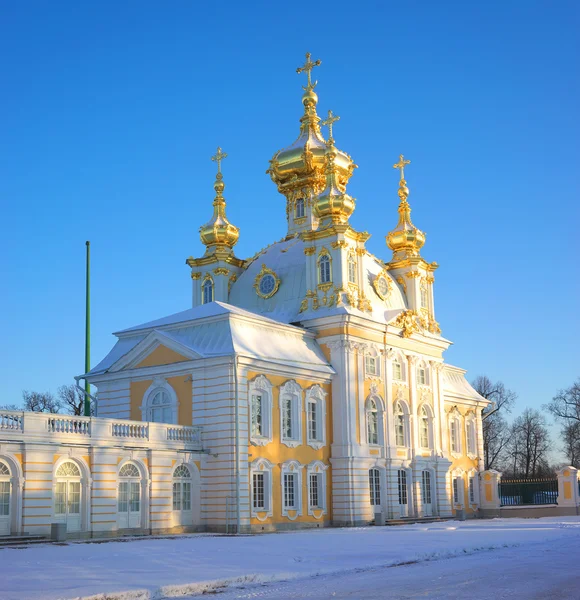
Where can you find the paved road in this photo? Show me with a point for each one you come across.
(542, 571)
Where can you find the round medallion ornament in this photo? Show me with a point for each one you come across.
(382, 286)
(266, 283)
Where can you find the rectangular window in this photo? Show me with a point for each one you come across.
(397, 371)
(176, 496)
(375, 487)
(402, 481)
(426, 488)
(371, 365)
(421, 376)
(299, 208)
(135, 497)
(454, 437)
(315, 491)
(455, 490)
(312, 422)
(287, 425)
(290, 490)
(186, 495)
(470, 437)
(4, 498)
(256, 415)
(123, 496)
(352, 270)
(259, 500)
(472, 490)
(400, 430)
(424, 298)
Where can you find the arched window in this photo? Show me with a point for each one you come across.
(261, 488)
(182, 491)
(375, 487)
(129, 497)
(4, 499)
(400, 425)
(299, 208)
(324, 271)
(160, 407)
(207, 291)
(372, 422)
(352, 268)
(316, 413)
(425, 428)
(67, 495)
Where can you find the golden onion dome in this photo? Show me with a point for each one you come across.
(333, 204)
(218, 232)
(405, 240)
(302, 165)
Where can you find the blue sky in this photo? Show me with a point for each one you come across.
(111, 110)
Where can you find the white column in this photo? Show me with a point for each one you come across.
(413, 402)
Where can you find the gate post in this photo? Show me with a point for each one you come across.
(489, 493)
(568, 494)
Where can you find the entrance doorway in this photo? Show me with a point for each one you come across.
(403, 493)
(5, 499)
(67, 496)
(129, 505)
(182, 510)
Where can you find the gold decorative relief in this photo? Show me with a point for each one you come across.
(266, 283)
(196, 275)
(407, 321)
(382, 285)
(221, 271)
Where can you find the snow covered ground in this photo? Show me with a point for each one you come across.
(180, 566)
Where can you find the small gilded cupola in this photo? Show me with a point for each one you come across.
(299, 171)
(405, 240)
(218, 233)
(215, 272)
(333, 205)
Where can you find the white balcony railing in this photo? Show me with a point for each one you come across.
(31, 426)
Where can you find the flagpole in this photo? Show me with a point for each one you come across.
(87, 403)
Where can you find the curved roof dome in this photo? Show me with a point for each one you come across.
(288, 261)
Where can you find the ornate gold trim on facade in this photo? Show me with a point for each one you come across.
(378, 285)
(310, 250)
(221, 271)
(196, 275)
(407, 321)
(263, 272)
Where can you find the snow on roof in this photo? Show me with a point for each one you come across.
(238, 331)
(455, 384)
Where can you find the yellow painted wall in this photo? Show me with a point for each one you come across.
(161, 356)
(277, 453)
(182, 389)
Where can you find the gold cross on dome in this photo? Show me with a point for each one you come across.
(332, 119)
(401, 165)
(307, 67)
(218, 157)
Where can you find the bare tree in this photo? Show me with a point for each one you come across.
(71, 398)
(565, 405)
(496, 431)
(529, 444)
(571, 438)
(40, 402)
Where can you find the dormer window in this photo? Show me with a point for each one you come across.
(299, 212)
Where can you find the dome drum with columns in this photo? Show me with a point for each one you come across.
(311, 363)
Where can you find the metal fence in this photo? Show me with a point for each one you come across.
(518, 492)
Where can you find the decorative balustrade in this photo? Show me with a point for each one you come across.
(74, 425)
(31, 426)
(12, 421)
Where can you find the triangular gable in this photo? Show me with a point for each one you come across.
(155, 349)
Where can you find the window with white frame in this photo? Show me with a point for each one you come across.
(422, 374)
(299, 208)
(455, 432)
(291, 414)
(261, 488)
(400, 425)
(260, 401)
(457, 486)
(374, 412)
(375, 487)
(470, 436)
(182, 489)
(455, 490)
(352, 269)
(291, 480)
(372, 364)
(207, 291)
(316, 416)
(160, 402)
(425, 427)
(473, 488)
(424, 297)
(316, 473)
(398, 370)
(324, 269)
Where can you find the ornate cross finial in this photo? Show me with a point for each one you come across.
(401, 166)
(308, 66)
(332, 119)
(218, 157)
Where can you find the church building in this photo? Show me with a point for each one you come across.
(305, 386)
